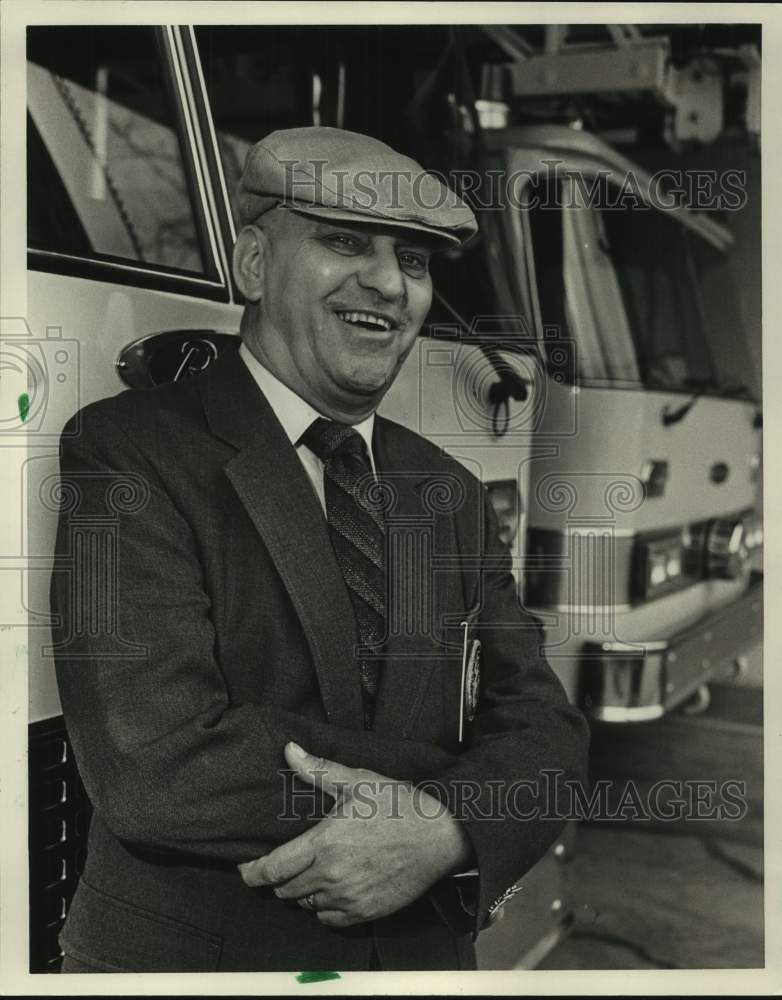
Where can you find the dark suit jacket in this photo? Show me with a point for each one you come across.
(203, 622)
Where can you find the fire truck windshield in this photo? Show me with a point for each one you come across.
(645, 300)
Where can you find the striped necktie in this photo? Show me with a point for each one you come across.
(357, 532)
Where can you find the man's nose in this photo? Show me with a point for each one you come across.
(382, 273)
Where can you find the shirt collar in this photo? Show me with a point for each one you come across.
(294, 413)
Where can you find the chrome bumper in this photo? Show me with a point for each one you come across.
(637, 682)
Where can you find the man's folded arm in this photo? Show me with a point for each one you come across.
(167, 760)
(527, 743)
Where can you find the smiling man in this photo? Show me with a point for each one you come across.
(321, 743)
(334, 307)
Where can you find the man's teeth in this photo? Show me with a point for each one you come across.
(362, 317)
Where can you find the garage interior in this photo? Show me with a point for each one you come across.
(626, 893)
(664, 895)
(657, 894)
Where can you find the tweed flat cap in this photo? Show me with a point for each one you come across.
(334, 174)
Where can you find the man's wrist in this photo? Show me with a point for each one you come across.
(456, 847)
(466, 856)
(446, 840)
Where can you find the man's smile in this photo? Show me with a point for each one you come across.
(367, 319)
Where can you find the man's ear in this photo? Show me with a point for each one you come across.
(248, 259)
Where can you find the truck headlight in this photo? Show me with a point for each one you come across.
(753, 532)
(661, 565)
(727, 551)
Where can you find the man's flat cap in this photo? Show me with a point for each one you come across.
(334, 174)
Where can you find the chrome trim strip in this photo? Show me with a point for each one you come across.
(212, 133)
(653, 646)
(97, 262)
(615, 713)
(605, 529)
(581, 609)
(196, 144)
(532, 958)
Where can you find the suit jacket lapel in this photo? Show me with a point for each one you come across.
(421, 539)
(271, 483)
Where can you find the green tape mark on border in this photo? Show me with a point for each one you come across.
(316, 977)
(24, 406)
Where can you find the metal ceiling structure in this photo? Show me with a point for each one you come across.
(691, 82)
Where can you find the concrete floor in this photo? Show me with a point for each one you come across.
(686, 894)
(645, 900)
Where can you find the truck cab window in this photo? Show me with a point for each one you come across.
(646, 301)
(259, 80)
(577, 288)
(107, 174)
(724, 319)
(650, 257)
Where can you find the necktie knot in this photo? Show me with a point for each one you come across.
(329, 439)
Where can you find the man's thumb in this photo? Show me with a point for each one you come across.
(327, 775)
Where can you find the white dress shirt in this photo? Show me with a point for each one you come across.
(295, 414)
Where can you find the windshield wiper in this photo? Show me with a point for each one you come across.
(728, 391)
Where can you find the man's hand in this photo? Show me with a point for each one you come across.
(383, 845)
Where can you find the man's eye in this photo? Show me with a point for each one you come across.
(343, 241)
(414, 263)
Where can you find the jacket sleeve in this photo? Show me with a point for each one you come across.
(167, 760)
(526, 745)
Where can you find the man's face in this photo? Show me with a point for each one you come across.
(340, 308)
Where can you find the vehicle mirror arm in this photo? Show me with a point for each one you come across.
(509, 385)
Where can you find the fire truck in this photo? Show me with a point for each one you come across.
(585, 355)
